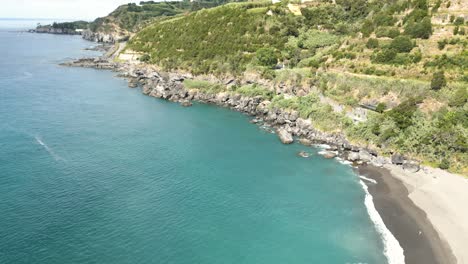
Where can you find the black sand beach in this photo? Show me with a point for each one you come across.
(407, 222)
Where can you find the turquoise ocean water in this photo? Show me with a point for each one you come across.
(94, 172)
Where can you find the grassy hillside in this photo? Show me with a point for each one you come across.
(406, 59)
(131, 17)
(222, 39)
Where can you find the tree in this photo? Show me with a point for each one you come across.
(402, 44)
(267, 57)
(421, 29)
(438, 80)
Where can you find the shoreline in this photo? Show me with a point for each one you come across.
(407, 222)
(421, 228)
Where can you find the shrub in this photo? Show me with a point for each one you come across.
(385, 56)
(255, 90)
(436, 6)
(367, 28)
(421, 29)
(381, 107)
(372, 43)
(402, 115)
(461, 31)
(402, 44)
(438, 80)
(459, 21)
(455, 30)
(384, 19)
(267, 57)
(387, 32)
(145, 58)
(444, 164)
(312, 39)
(459, 98)
(441, 44)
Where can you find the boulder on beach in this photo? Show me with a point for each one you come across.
(365, 156)
(379, 161)
(353, 156)
(397, 159)
(285, 136)
(411, 166)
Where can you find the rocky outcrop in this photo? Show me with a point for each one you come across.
(96, 63)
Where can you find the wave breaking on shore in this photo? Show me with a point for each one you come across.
(392, 248)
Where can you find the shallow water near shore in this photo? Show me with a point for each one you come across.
(94, 172)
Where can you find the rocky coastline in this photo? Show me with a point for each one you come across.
(287, 124)
(290, 127)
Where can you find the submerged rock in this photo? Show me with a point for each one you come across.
(285, 136)
(328, 154)
(305, 141)
(303, 154)
(186, 103)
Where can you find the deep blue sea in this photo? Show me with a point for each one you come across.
(94, 172)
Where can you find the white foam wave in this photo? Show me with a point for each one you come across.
(48, 149)
(322, 146)
(368, 179)
(392, 249)
(343, 161)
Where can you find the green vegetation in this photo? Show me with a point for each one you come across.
(402, 44)
(67, 26)
(254, 90)
(309, 106)
(438, 81)
(219, 40)
(204, 86)
(267, 57)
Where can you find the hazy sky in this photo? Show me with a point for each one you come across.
(67, 9)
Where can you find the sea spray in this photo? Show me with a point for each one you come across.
(392, 249)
